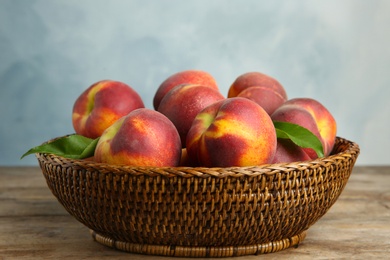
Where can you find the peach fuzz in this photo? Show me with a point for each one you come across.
(101, 104)
(142, 138)
(325, 121)
(232, 132)
(255, 79)
(182, 103)
(197, 77)
(267, 98)
(300, 116)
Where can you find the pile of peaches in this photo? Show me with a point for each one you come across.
(194, 124)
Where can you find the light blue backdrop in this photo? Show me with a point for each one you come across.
(334, 51)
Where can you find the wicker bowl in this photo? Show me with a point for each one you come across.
(200, 212)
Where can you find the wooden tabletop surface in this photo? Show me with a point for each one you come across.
(33, 225)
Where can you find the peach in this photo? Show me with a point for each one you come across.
(232, 132)
(325, 121)
(255, 79)
(197, 77)
(187, 161)
(287, 151)
(267, 98)
(300, 116)
(100, 105)
(182, 103)
(144, 137)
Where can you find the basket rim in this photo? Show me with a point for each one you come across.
(352, 151)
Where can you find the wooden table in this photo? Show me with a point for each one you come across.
(33, 225)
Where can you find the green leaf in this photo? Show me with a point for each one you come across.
(71, 146)
(299, 135)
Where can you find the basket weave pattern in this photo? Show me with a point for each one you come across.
(233, 211)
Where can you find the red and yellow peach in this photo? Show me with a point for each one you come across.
(182, 103)
(312, 115)
(100, 105)
(325, 121)
(144, 137)
(232, 132)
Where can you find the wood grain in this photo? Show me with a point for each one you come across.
(33, 225)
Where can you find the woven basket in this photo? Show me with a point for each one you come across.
(200, 212)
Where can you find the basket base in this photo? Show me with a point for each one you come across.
(188, 251)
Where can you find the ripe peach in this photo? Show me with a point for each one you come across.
(232, 132)
(267, 98)
(182, 103)
(325, 121)
(255, 79)
(197, 77)
(100, 105)
(287, 151)
(144, 137)
(300, 116)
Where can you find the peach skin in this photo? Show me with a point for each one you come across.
(182, 103)
(100, 105)
(325, 121)
(267, 98)
(144, 137)
(232, 132)
(300, 116)
(287, 151)
(255, 79)
(197, 77)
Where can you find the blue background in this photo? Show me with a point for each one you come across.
(50, 51)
